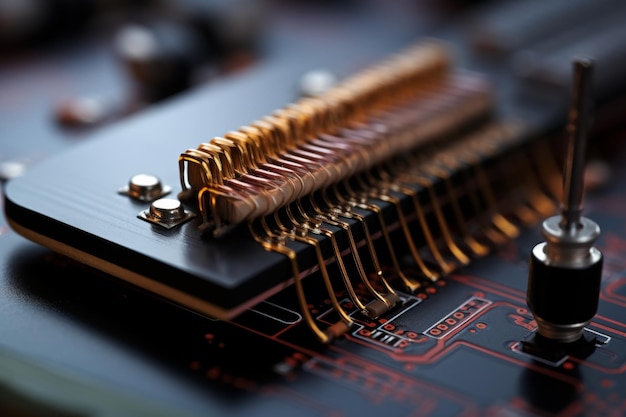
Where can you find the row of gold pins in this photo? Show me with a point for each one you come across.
(352, 101)
(237, 182)
(335, 206)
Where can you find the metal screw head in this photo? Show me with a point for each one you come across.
(166, 212)
(145, 187)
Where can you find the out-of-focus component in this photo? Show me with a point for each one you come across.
(602, 38)
(566, 270)
(539, 39)
(507, 26)
(316, 82)
(176, 49)
(228, 26)
(88, 111)
(160, 56)
(26, 22)
(11, 169)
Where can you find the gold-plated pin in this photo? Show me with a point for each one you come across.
(382, 302)
(548, 170)
(362, 202)
(446, 234)
(315, 225)
(406, 231)
(499, 221)
(535, 194)
(346, 211)
(441, 166)
(276, 243)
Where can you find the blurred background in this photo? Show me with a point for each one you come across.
(68, 67)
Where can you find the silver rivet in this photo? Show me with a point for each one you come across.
(145, 187)
(166, 212)
(144, 184)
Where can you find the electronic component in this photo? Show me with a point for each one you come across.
(566, 270)
(508, 26)
(393, 165)
(161, 57)
(316, 143)
(166, 212)
(316, 82)
(145, 187)
(438, 331)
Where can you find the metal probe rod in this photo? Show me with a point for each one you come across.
(577, 126)
(565, 272)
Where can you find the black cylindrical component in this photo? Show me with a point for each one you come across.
(563, 295)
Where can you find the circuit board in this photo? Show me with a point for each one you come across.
(79, 337)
